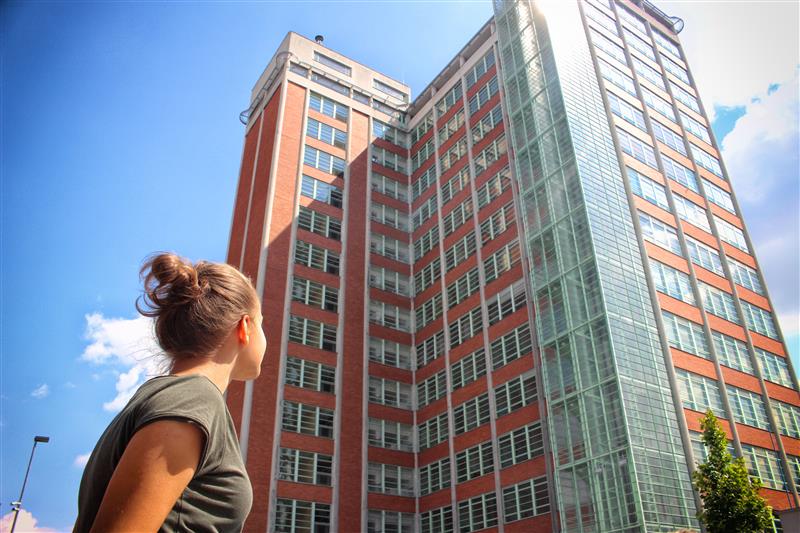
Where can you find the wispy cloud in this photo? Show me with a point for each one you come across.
(25, 522)
(40, 392)
(81, 460)
(129, 345)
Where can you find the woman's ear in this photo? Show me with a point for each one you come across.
(243, 330)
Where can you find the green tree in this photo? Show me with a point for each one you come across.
(730, 496)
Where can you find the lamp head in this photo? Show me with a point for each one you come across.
(39, 438)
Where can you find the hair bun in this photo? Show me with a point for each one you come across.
(169, 281)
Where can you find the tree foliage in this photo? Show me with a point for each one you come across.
(731, 502)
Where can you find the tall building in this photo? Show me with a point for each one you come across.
(506, 304)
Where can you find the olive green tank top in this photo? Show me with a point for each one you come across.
(219, 496)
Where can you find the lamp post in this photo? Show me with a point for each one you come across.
(18, 504)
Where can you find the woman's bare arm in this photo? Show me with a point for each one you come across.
(155, 468)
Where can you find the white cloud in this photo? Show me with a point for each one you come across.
(736, 49)
(761, 151)
(126, 343)
(42, 391)
(25, 522)
(81, 460)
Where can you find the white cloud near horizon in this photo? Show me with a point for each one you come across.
(130, 346)
(25, 522)
(40, 392)
(730, 69)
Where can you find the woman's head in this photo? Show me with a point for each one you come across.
(196, 307)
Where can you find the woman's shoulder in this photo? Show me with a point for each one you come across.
(192, 397)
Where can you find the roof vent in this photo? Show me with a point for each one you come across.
(319, 39)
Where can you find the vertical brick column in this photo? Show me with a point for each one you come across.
(352, 407)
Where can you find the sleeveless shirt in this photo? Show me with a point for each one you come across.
(219, 496)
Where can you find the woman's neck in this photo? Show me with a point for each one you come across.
(218, 374)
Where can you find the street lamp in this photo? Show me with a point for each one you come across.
(18, 504)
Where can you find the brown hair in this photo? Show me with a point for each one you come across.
(195, 306)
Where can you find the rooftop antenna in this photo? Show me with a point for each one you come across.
(319, 39)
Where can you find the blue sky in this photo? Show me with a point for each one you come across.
(120, 136)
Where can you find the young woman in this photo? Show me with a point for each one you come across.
(170, 460)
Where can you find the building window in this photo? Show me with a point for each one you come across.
(327, 134)
(313, 256)
(639, 44)
(626, 111)
(307, 419)
(748, 408)
(506, 302)
(422, 154)
(434, 477)
(328, 107)
(765, 465)
(422, 128)
(450, 99)
(310, 375)
(718, 302)
(390, 434)
(774, 368)
(658, 104)
(759, 320)
(453, 154)
(669, 137)
(295, 516)
(460, 251)
(451, 126)
(672, 282)
(601, 18)
(486, 124)
(471, 414)
(646, 188)
(390, 479)
(649, 73)
(489, 155)
(332, 63)
(501, 261)
(391, 91)
(699, 393)
(788, 418)
(386, 521)
(389, 187)
(481, 67)
(305, 467)
(636, 148)
(423, 182)
(691, 213)
(731, 234)
(389, 315)
(389, 159)
(388, 247)
(685, 98)
(520, 445)
(616, 77)
(685, 335)
(390, 392)
(515, 394)
(432, 389)
(430, 349)
(477, 513)
(389, 280)
(323, 161)
(462, 288)
(426, 242)
(384, 131)
(474, 462)
(456, 184)
(427, 275)
(423, 213)
(319, 190)
(389, 216)
(437, 520)
(432, 431)
(601, 42)
(719, 196)
(666, 43)
(497, 223)
(732, 352)
(389, 353)
(468, 369)
(696, 128)
(316, 222)
(483, 95)
(705, 256)
(494, 187)
(312, 333)
(315, 294)
(679, 173)
(526, 499)
(428, 311)
(465, 327)
(745, 276)
(511, 346)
